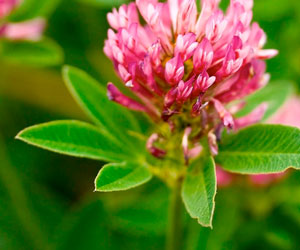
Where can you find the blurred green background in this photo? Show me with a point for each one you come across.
(47, 200)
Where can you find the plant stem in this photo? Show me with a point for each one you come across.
(27, 220)
(173, 238)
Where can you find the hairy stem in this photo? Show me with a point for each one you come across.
(174, 231)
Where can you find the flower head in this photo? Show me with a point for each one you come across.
(6, 7)
(185, 67)
(28, 30)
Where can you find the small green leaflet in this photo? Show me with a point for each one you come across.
(260, 149)
(199, 190)
(75, 138)
(121, 176)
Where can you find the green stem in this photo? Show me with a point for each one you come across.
(28, 222)
(174, 231)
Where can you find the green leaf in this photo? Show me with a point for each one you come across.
(103, 3)
(121, 176)
(199, 190)
(227, 219)
(76, 139)
(93, 99)
(30, 9)
(39, 54)
(261, 149)
(274, 94)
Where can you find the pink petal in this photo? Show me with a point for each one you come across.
(174, 70)
(29, 30)
(115, 95)
(224, 178)
(288, 114)
(255, 116)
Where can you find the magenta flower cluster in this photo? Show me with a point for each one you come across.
(177, 60)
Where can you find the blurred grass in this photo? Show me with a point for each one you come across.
(46, 200)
